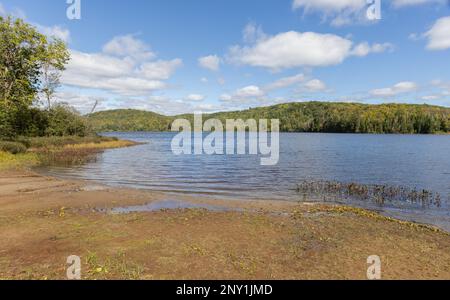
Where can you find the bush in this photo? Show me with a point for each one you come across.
(13, 147)
(65, 121)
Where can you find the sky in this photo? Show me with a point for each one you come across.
(179, 56)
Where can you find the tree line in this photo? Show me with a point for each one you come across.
(301, 117)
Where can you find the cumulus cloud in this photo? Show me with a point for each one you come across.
(128, 45)
(295, 49)
(211, 62)
(54, 31)
(195, 98)
(161, 69)
(285, 82)
(315, 85)
(124, 67)
(439, 35)
(399, 88)
(244, 96)
(251, 91)
(81, 102)
(364, 49)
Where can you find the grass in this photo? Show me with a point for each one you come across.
(17, 161)
(59, 151)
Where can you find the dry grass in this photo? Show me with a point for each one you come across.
(17, 161)
(60, 152)
(77, 154)
(101, 145)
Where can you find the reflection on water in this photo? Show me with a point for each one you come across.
(166, 205)
(414, 161)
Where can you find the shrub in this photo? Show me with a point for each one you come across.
(13, 147)
(65, 121)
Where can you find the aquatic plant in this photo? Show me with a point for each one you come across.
(378, 194)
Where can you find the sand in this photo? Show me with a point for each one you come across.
(44, 220)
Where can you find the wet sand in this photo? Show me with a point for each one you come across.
(44, 220)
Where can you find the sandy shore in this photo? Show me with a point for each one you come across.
(44, 220)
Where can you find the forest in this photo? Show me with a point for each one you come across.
(300, 117)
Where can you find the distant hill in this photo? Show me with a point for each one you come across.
(129, 120)
(301, 117)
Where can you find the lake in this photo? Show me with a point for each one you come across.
(414, 161)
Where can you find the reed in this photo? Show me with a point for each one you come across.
(77, 154)
(378, 194)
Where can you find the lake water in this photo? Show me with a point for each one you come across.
(415, 161)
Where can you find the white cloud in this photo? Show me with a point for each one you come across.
(204, 80)
(245, 95)
(249, 92)
(329, 5)
(345, 12)
(81, 102)
(294, 49)
(195, 98)
(211, 62)
(315, 85)
(253, 33)
(341, 12)
(54, 31)
(225, 97)
(161, 69)
(439, 35)
(50, 31)
(404, 3)
(430, 97)
(128, 45)
(364, 49)
(399, 88)
(125, 71)
(285, 82)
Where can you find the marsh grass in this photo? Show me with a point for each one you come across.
(77, 154)
(61, 151)
(379, 194)
(16, 161)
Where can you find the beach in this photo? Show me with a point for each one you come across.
(44, 220)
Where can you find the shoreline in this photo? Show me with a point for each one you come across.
(43, 220)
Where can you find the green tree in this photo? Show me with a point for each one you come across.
(25, 55)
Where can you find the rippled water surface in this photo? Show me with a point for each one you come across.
(416, 161)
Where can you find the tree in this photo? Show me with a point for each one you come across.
(25, 56)
(52, 67)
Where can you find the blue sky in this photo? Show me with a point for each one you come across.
(174, 56)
